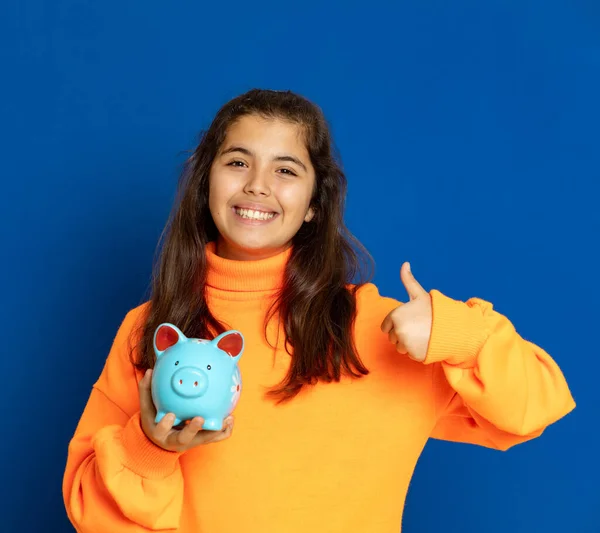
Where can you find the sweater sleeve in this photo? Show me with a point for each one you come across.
(491, 386)
(115, 478)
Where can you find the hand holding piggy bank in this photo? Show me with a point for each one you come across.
(196, 377)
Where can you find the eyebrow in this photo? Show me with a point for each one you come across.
(283, 157)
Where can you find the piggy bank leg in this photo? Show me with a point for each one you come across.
(213, 424)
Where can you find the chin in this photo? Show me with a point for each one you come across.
(251, 246)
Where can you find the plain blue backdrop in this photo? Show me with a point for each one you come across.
(469, 132)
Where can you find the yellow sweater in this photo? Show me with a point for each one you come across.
(336, 459)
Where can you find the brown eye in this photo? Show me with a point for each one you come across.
(288, 172)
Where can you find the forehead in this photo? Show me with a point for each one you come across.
(267, 134)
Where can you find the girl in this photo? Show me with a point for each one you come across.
(342, 386)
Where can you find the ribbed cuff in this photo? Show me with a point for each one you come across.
(144, 457)
(457, 334)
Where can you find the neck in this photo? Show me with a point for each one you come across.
(238, 276)
(226, 251)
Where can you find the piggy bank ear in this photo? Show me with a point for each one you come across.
(165, 336)
(231, 342)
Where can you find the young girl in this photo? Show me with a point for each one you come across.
(342, 386)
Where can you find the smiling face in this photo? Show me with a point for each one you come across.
(261, 184)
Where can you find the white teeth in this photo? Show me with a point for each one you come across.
(254, 215)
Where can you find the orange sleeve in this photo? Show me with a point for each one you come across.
(115, 478)
(492, 387)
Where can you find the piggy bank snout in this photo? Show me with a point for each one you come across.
(189, 382)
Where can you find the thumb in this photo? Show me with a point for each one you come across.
(412, 286)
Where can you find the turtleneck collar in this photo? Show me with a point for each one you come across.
(245, 276)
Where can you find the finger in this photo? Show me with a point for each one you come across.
(208, 437)
(164, 427)
(392, 336)
(146, 404)
(412, 286)
(387, 323)
(394, 317)
(184, 436)
(400, 348)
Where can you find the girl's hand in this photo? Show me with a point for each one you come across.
(164, 435)
(409, 325)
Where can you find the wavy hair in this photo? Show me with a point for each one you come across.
(317, 303)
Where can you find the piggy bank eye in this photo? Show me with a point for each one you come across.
(208, 367)
(176, 363)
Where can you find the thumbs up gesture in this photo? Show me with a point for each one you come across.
(409, 325)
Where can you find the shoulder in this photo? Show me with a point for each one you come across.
(137, 316)
(371, 304)
(119, 377)
(130, 331)
(370, 298)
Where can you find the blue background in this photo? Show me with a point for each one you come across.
(469, 134)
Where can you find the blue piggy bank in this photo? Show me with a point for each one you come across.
(196, 377)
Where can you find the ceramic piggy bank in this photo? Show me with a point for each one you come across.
(196, 377)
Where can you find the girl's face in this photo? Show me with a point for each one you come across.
(261, 183)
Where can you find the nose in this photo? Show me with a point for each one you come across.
(257, 183)
(189, 382)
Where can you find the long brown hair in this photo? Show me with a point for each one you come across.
(317, 303)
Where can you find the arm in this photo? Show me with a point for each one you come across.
(491, 386)
(115, 478)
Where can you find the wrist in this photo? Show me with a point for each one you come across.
(458, 332)
(143, 456)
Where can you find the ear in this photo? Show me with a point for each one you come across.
(165, 336)
(231, 342)
(309, 215)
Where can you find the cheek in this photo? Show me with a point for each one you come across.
(219, 192)
(213, 197)
(295, 200)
